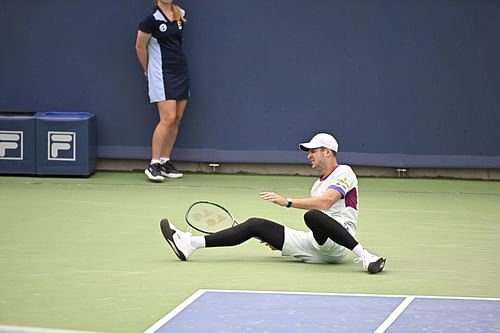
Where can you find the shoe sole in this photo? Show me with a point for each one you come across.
(172, 175)
(153, 178)
(377, 266)
(168, 234)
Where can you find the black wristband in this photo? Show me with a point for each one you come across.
(290, 202)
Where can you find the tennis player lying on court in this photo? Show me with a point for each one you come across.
(332, 214)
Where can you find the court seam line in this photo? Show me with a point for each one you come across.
(394, 315)
(454, 193)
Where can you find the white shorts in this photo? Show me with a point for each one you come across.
(303, 246)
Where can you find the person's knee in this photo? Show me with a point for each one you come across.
(178, 118)
(167, 121)
(311, 216)
(254, 222)
(259, 226)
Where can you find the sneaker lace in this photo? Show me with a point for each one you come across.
(186, 233)
(366, 259)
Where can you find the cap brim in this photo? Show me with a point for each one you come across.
(306, 146)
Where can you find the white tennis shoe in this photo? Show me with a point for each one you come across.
(153, 171)
(371, 263)
(169, 170)
(178, 240)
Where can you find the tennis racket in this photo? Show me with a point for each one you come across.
(209, 217)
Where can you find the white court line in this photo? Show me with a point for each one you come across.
(175, 311)
(345, 294)
(394, 315)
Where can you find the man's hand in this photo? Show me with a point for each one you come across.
(274, 198)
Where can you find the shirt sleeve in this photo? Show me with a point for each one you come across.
(343, 181)
(147, 25)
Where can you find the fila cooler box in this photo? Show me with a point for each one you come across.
(66, 143)
(17, 143)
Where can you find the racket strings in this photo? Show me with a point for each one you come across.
(208, 217)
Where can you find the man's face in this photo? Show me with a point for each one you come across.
(317, 158)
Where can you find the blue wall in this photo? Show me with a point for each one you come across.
(399, 83)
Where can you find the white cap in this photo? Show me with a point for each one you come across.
(320, 140)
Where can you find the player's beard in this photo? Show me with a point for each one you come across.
(317, 164)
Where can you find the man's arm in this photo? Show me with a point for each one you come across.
(323, 202)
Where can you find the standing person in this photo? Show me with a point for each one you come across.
(332, 214)
(159, 49)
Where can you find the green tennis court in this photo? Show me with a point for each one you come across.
(87, 253)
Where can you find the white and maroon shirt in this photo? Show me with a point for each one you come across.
(343, 180)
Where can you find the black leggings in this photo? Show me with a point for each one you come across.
(267, 231)
(322, 226)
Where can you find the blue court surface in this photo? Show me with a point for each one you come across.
(250, 311)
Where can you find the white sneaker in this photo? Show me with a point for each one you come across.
(179, 241)
(371, 263)
(153, 171)
(169, 170)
